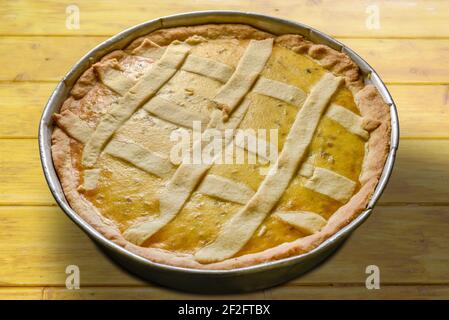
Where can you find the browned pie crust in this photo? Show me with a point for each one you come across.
(369, 100)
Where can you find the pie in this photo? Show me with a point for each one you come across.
(114, 143)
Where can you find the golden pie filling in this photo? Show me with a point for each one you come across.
(122, 143)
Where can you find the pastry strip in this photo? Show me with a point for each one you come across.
(347, 119)
(208, 67)
(246, 73)
(196, 64)
(182, 184)
(304, 221)
(255, 145)
(91, 177)
(140, 157)
(226, 189)
(306, 170)
(307, 167)
(331, 184)
(74, 126)
(149, 49)
(280, 91)
(115, 79)
(171, 112)
(147, 86)
(239, 229)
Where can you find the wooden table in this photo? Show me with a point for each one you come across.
(407, 236)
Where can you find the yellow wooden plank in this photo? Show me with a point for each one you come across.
(38, 243)
(21, 105)
(49, 58)
(408, 244)
(41, 58)
(422, 109)
(337, 17)
(21, 176)
(15, 293)
(359, 292)
(420, 176)
(144, 293)
(283, 292)
(405, 60)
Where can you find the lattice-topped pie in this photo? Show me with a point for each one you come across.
(220, 146)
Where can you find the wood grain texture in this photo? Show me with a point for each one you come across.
(359, 292)
(409, 60)
(15, 293)
(336, 17)
(423, 109)
(48, 242)
(23, 102)
(21, 176)
(406, 236)
(112, 293)
(421, 173)
(408, 244)
(41, 58)
(405, 60)
(287, 293)
(142, 293)
(420, 176)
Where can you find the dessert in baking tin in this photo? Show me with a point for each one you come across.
(135, 146)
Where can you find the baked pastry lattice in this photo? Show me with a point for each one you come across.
(112, 148)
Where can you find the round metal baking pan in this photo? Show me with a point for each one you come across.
(210, 281)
